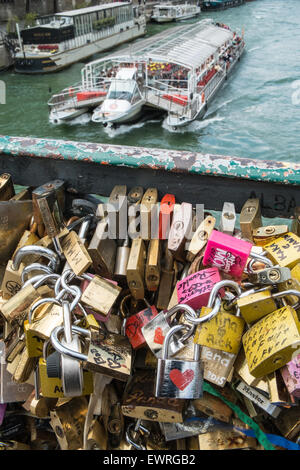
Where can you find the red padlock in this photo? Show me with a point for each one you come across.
(165, 215)
(134, 324)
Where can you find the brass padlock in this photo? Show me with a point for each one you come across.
(257, 305)
(285, 250)
(55, 187)
(67, 421)
(152, 270)
(102, 249)
(12, 283)
(250, 218)
(117, 208)
(100, 295)
(264, 235)
(272, 342)
(258, 399)
(148, 203)
(23, 195)
(7, 190)
(226, 440)
(213, 406)
(166, 281)
(136, 269)
(200, 237)
(76, 254)
(139, 401)
(296, 221)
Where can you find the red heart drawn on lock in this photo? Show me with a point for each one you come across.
(181, 379)
(158, 336)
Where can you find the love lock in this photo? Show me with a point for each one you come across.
(178, 378)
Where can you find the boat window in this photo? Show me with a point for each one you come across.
(121, 90)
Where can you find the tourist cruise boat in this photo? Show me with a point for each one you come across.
(178, 72)
(221, 4)
(164, 12)
(60, 40)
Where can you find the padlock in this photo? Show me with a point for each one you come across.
(39, 407)
(148, 203)
(153, 268)
(14, 343)
(178, 378)
(272, 341)
(213, 406)
(227, 253)
(166, 280)
(110, 356)
(288, 423)
(16, 307)
(269, 233)
(278, 391)
(112, 417)
(11, 391)
(136, 435)
(166, 208)
(7, 190)
(257, 305)
(250, 218)
(67, 422)
(76, 254)
(258, 399)
(136, 268)
(55, 187)
(194, 290)
(200, 237)
(180, 231)
(296, 221)
(102, 249)
(11, 282)
(241, 371)
(40, 251)
(96, 439)
(100, 295)
(34, 343)
(226, 439)
(139, 401)
(291, 376)
(23, 195)
(117, 212)
(28, 238)
(135, 322)
(156, 329)
(228, 218)
(270, 276)
(24, 366)
(122, 257)
(285, 250)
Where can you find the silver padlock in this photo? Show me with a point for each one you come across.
(156, 329)
(53, 257)
(179, 378)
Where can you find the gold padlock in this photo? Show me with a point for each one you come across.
(166, 282)
(25, 366)
(23, 195)
(152, 270)
(76, 253)
(213, 406)
(7, 190)
(12, 280)
(264, 235)
(100, 295)
(136, 269)
(34, 344)
(250, 218)
(257, 305)
(67, 421)
(55, 187)
(285, 250)
(296, 221)
(272, 342)
(200, 237)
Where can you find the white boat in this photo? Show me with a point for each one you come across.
(124, 101)
(164, 12)
(176, 72)
(60, 40)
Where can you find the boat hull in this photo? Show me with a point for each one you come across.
(58, 61)
(64, 116)
(211, 6)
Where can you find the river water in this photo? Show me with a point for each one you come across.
(256, 113)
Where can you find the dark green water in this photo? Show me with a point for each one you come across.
(256, 113)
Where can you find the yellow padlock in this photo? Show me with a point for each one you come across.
(272, 342)
(52, 387)
(257, 305)
(33, 342)
(285, 250)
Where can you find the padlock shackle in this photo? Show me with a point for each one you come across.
(46, 277)
(32, 280)
(53, 257)
(166, 343)
(38, 303)
(67, 321)
(255, 257)
(218, 286)
(294, 292)
(130, 440)
(58, 346)
(179, 307)
(35, 267)
(208, 316)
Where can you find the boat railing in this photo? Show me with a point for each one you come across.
(68, 97)
(168, 98)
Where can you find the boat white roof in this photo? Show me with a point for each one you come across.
(189, 45)
(83, 11)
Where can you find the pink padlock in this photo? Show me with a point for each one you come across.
(227, 253)
(194, 290)
(291, 376)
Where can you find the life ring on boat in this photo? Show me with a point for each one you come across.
(71, 92)
(203, 97)
(113, 106)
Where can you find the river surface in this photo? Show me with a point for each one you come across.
(255, 114)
